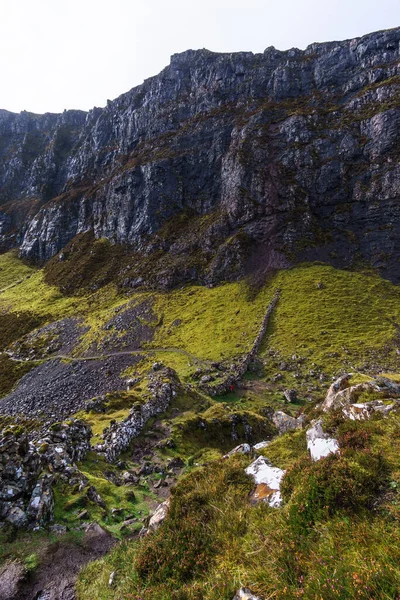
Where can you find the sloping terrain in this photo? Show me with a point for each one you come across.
(200, 334)
(110, 344)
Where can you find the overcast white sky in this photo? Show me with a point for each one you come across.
(57, 54)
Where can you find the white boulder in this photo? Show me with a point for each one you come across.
(268, 481)
(319, 443)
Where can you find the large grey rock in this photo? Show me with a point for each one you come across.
(17, 517)
(345, 397)
(281, 148)
(285, 423)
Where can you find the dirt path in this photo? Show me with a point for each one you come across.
(104, 356)
(56, 575)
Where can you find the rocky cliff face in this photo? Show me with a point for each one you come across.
(241, 161)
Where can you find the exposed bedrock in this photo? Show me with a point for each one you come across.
(292, 155)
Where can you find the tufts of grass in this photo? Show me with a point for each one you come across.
(13, 270)
(324, 543)
(220, 427)
(285, 450)
(130, 500)
(11, 372)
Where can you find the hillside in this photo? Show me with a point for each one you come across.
(198, 292)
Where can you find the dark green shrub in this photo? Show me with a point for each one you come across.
(196, 528)
(349, 481)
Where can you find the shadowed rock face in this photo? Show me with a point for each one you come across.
(294, 154)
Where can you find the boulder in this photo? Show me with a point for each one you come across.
(338, 385)
(345, 397)
(17, 517)
(260, 446)
(268, 481)
(12, 575)
(284, 422)
(319, 443)
(241, 449)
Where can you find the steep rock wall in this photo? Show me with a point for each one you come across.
(295, 155)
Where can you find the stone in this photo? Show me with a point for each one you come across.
(343, 396)
(245, 594)
(12, 576)
(268, 480)
(58, 529)
(333, 399)
(111, 579)
(159, 516)
(130, 478)
(157, 366)
(17, 517)
(176, 463)
(290, 395)
(319, 443)
(128, 523)
(261, 446)
(83, 515)
(241, 449)
(284, 422)
(95, 497)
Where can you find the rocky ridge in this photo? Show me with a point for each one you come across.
(268, 158)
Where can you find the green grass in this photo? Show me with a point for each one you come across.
(13, 270)
(211, 324)
(214, 541)
(131, 500)
(359, 313)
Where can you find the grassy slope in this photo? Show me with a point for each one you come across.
(331, 320)
(12, 269)
(214, 540)
(353, 315)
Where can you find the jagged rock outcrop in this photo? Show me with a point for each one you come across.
(263, 159)
(28, 470)
(285, 423)
(344, 397)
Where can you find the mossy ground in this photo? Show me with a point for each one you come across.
(13, 270)
(224, 542)
(327, 321)
(128, 500)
